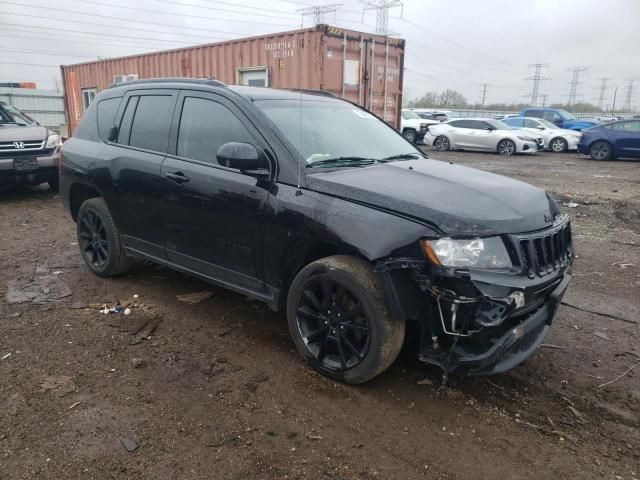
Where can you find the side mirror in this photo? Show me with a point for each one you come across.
(540, 127)
(113, 133)
(490, 129)
(244, 157)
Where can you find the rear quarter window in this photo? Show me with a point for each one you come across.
(107, 110)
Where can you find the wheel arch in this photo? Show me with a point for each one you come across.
(78, 194)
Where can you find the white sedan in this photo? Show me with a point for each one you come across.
(555, 139)
(482, 134)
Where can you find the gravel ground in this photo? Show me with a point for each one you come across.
(216, 390)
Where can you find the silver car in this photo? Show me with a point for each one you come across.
(482, 134)
(555, 139)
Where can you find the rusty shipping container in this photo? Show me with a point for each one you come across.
(364, 68)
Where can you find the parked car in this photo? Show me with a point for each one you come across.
(29, 153)
(440, 116)
(560, 118)
(555, 139)
(413, 127)
(612, 140)
(315, 206)
(502, 116)
(482, 134)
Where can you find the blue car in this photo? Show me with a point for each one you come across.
(611, 140)
(559, 117)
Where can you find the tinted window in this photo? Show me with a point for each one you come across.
(151, 122)
(125, 123)
(107, 110)
(461, 123)
(516, 122)
(627, 126)
(205, 125)
(479, 125)
(533, 113)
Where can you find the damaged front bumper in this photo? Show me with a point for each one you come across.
(484, 322)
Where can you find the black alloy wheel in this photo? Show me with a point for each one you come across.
(92, 236)
(333, 324)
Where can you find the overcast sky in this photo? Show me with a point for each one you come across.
(458, 44)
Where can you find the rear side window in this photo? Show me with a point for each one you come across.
(107, 110)
(533, 113)
(205, 125)
(150, 128)
(461, 124)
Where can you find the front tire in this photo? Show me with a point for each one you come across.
(410, 135)
(340, 321)
(506, 147)
(601, 151)
(441, 144)
(99, 240)
(559, 145)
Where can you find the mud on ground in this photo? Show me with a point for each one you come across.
(216, 390)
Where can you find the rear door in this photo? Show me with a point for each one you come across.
(626, 137)
(133, 162)
(211, 213)
(460, 134)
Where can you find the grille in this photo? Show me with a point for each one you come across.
(21, 146)
(546, 252)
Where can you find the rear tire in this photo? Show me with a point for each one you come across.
(442, 144)
(340, 320)
(506, 147)
(601, 150)
(559, 145)
(410, 135)
(99, 240)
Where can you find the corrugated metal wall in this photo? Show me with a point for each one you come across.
(45, 106)
(361, 67)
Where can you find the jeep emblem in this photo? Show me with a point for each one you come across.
(18, 145)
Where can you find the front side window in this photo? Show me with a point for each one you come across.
(329, 129)
(409, 115)
(531, 123)
(627, 126)
(88, 96)
(205, 125)
(150, 127)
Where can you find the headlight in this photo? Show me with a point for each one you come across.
(526, 139)
(53, 141)
(477, 253)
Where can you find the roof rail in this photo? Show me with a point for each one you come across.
(322, 93)
(200, 81)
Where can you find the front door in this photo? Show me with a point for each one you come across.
(212, 214)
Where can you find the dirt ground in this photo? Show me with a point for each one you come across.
(217, 391)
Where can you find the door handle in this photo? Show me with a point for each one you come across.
(177, 177)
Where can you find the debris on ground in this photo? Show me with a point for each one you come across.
(128, 443)
(5, 356)
(571, 204)
(45, 288)
(194, 297)
(73, 405)
(137, 362)
(602, 335)
(60, 384)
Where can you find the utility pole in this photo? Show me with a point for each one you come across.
(536, 78)
(544, 100)
(628, 94)
(382, 8)
(318, 12)
(575, 81)
(603, 90)
(484, 92)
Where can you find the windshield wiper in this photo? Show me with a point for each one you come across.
(342, 161)
(402, 156)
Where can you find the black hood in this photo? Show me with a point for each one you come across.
(459, 201)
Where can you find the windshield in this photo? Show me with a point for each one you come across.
(408, 115)
(326, 130)
(566, 115)
(10, 114)
(547, 123)
(497, 124)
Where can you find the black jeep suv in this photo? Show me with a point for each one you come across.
(315, 206)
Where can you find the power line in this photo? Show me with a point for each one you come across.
(575, 81)
(536, 78)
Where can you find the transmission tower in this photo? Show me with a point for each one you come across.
(575, 81)
(536, 78)
(382, 8)
(318, 12)
(484, 92)
(603, 91)
(628, 94)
